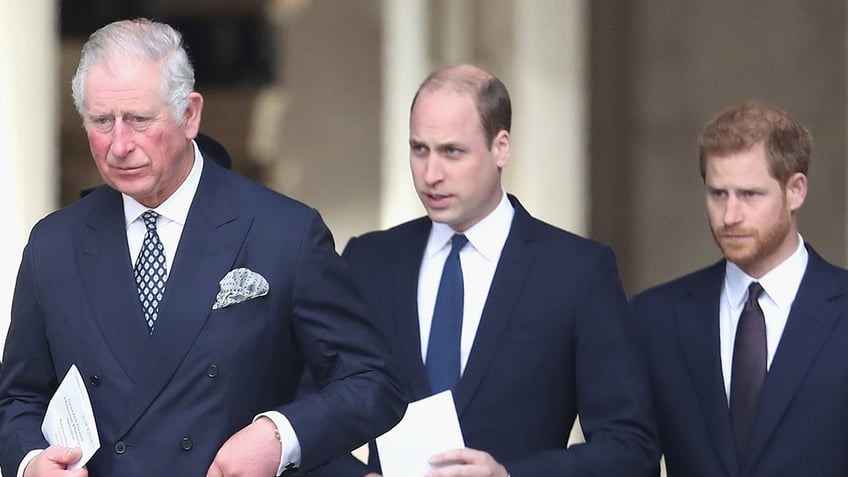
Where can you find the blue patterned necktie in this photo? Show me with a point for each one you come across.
(748, 370)
(443, 362)
(150, 275)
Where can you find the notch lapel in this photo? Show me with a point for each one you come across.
(698, 334)
(813, 315)
(406, 271)
(515, 263)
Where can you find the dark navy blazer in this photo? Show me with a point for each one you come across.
(165, 403)
(801, 422)
(554, 342)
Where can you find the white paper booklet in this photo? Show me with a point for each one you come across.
(69, 420)
(429, 426)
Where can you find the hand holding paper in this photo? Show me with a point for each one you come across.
(69, 420)
(429, 426)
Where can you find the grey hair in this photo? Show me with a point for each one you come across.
(144, 40)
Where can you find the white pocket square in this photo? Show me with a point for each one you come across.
(240, 284)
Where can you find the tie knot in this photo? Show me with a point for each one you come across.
(149, 218)
(457, 242)
(754, 292)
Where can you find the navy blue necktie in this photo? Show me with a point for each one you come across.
(748, 370)
(149, 271)
(442, 360)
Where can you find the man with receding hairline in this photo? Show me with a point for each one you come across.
(544, 331)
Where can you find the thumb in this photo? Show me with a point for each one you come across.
(214, 471)
(66, 455)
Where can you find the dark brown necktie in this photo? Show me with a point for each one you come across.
(749, 369)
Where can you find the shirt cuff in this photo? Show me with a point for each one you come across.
(26, 460)
(290, 456)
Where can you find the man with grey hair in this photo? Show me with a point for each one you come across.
(189, 298)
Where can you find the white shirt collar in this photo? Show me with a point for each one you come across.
(487, 236)
(175, 207)
(780, 283)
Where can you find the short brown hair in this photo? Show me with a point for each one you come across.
(739, 128)
(488, 92)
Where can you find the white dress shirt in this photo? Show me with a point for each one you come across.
(479, 259)
(780, 285)
(172, 216)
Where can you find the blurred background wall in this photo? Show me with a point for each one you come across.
(29, 130)
(311, 97)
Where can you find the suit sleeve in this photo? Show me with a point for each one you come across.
(358, 394)
(344, 466)
(613, 397)
(28, 378)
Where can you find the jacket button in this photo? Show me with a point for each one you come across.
(94, 380)
(120, 447)
(212, 371)
(186, 444)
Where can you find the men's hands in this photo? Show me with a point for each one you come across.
(466, 463)
(253, 451)
(54, 461)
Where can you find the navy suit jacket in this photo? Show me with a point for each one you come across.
(801, 422)
(164, 403)
(552, 343)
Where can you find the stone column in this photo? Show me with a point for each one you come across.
(548, 170)
(28, 130)
(405, 64)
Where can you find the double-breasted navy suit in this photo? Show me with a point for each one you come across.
(801, 423)
(552, 343)
(164, 403)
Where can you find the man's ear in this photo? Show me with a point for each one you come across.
(796, 191)
(501, 148)
(193, 114)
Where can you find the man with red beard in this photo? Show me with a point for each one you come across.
(749, 357)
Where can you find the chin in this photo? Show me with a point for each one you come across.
(743, 257)
(139, 192)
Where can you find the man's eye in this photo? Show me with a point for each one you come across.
(136, 120)
(102, 123)
(138, 123)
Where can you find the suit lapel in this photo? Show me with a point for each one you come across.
(813, 315)
(212, 238)
(515, 262)
(698, 334)
(406, 302)
(107, 278)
